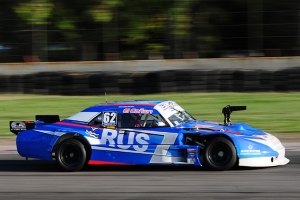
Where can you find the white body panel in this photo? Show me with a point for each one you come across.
(265, 161)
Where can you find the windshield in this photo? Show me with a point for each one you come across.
(180, 117)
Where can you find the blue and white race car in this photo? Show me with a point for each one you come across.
(140, 132)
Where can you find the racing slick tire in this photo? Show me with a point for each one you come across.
(71, 155)
(219, 154)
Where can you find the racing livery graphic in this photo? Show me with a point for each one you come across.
(140, 132)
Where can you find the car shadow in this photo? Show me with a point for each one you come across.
(28, 166)
(33, 165)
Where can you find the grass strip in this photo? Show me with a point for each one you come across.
(271, 112)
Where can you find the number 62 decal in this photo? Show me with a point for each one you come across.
(109, 119)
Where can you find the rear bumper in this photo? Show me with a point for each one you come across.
(33, 144)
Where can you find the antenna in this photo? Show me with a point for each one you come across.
(105, 98)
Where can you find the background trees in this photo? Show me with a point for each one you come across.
(71, 30)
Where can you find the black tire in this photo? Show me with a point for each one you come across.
(219, 154)
(70, 155)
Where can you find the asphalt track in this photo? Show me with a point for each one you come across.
(35, 179)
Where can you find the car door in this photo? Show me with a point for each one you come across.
(122, 142)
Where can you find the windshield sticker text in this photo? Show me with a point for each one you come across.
(167, 105)
(138, 111)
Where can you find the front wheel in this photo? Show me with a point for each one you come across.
(71, 155)
(219, 154)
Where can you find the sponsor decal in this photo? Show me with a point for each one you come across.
(109, 119)
(191, 156)
(191, 152)
(268, 138)
(92, 133)
(94, 128)
(139, 141)
(18, 126)
(138, 111)
(191, 160)
(250, 150)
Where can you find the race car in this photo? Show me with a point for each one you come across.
(146, 132)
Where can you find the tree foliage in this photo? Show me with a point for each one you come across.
(34, 11)
(137, 28)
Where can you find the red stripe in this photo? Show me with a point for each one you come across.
(96, 162)
(71, 124)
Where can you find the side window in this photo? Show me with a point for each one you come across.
(153, 120)
(129, 120)
(97, 121)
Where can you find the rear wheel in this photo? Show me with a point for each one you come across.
(219, 154)
(71, 155)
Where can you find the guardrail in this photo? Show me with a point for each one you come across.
(95, 83)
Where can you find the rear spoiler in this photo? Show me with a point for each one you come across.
(49, 119)
(18, 126)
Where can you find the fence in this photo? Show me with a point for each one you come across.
(97, 83)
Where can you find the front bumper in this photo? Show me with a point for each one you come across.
(269, 161)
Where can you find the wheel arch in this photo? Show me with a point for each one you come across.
(209, 140)
(203, 138)
(209, 137)
(221, 135)
(76, 136)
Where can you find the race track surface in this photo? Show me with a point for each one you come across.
(35, 179)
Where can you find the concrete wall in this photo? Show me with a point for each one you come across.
(246, 63)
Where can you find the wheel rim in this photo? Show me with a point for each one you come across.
(220, 154)
(70, 155)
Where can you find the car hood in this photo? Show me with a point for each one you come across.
(206, 127)
(238, 132)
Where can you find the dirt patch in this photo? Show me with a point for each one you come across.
(7, 140)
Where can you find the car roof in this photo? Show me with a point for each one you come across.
(128, 106)
(122, 104)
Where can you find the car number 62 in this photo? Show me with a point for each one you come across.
(109, 119)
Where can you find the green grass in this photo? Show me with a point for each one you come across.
(272, 112)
